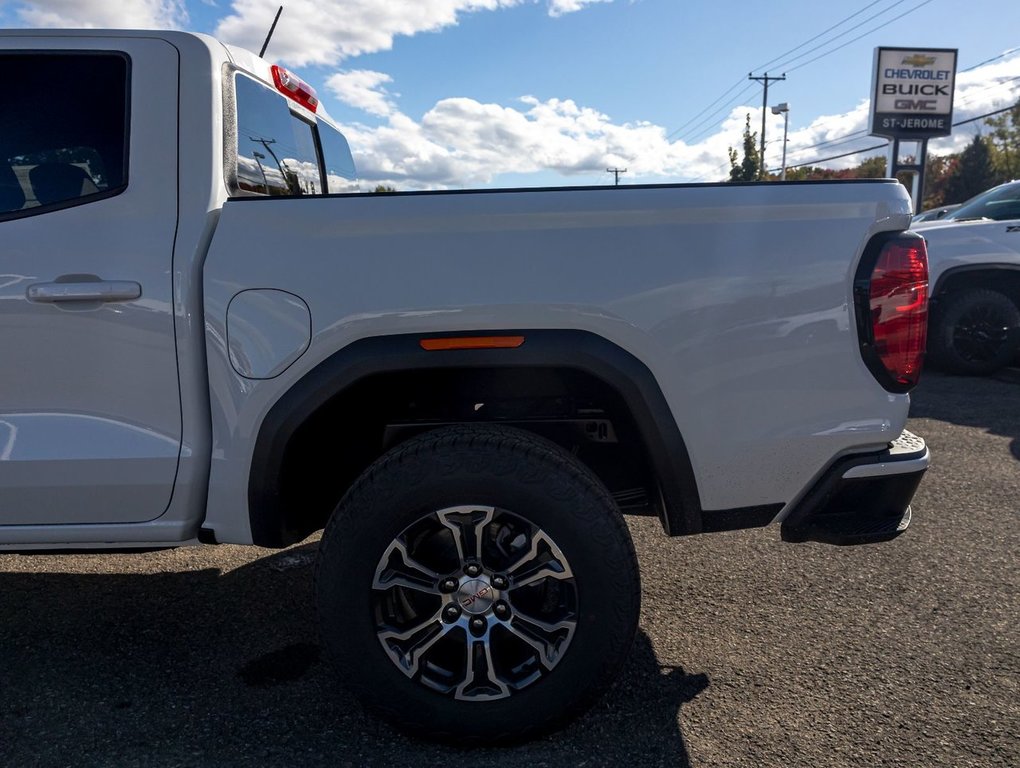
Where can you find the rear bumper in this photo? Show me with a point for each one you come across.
(861, 499)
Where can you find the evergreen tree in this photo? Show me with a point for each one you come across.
(750, 167)
(973, 173)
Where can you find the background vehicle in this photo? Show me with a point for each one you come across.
(464, 388)
(934, 214)
(974, 258)
(998, 203)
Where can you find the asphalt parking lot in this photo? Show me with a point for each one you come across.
(751, 652)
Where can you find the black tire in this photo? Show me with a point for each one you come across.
(975, 333)
(578, 575)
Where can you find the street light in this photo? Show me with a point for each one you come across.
(784, 110)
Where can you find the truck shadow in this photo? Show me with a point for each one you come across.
(989, 403)
(207, 668)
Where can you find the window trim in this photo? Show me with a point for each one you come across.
(93, 197)
(230, 135)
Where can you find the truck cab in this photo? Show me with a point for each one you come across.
(113, 167)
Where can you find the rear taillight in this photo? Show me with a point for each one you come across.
(892, 310)
(294, 87)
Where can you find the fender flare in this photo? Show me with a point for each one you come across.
(573, 349)
(949, 274)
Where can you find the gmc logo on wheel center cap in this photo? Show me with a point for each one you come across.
(476, 596)
(470, 599)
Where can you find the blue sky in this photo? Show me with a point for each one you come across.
(461, 93)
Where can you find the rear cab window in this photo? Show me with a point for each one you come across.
(63, 130)
(280, 152)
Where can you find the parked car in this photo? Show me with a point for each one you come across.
(934, 214)
(974, 261)
(999, 203)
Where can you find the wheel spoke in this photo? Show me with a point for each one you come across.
(407, 647)
(469, 650)
(480, 682)
(543, 560)
(467, 525)
(548, 640)
(398, 569)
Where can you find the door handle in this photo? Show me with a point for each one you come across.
(100, 290)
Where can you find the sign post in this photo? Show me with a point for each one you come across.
(912, 101)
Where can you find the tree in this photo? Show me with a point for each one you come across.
(973, 173)
(750, 167)
(1005, 143)
(937, 171)
(380, 188)
(872, 168)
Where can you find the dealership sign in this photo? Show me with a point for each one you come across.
(912, 94)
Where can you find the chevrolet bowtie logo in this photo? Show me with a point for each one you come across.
(919, 60)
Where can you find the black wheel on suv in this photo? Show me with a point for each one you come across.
(477, 584)
(975, 333)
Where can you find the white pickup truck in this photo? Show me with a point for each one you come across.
(974, 257)
(207, 336)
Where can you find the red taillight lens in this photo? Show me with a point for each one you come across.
(294, 87)
(898, 302)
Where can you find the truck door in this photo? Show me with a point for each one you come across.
(90, 419)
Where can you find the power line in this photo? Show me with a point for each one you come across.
(725, 93)
(837, 157)
(823, 32)
(762, 66)
(854, 40)
(690, 139)
(885, 144)
(987, 114)
(989, 61)
(786, 62)
(862, 132)
(839, 140)
(708, 120)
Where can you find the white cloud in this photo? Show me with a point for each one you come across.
(137, 14)
(328, 31)
(364, 89)
(560, 7)
(462, 142)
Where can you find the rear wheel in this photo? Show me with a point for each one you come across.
(975, 333)
(476, 585)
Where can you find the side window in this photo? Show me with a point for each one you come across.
(275, 149)
(336, 155)
(63, 130)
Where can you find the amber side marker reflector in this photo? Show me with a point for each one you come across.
(472, 342)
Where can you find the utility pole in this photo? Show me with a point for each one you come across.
(764, 80)
(616, 174)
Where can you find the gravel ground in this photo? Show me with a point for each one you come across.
(750, 653)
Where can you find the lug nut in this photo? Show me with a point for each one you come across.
(472, 569)
(448, 585)
(478, 625)
(451, 613)
(500, 582)
(501, 609)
